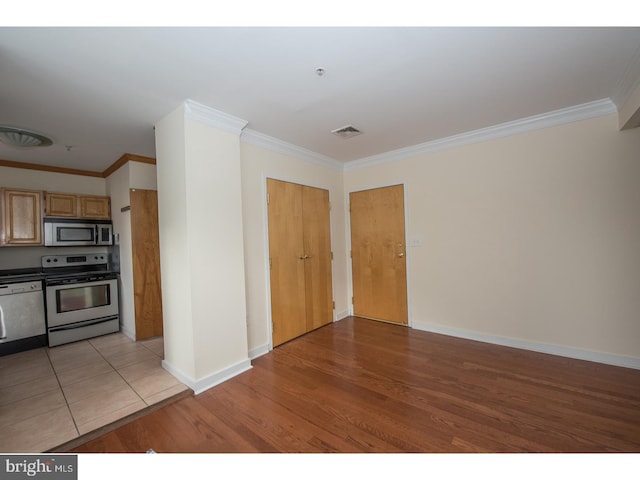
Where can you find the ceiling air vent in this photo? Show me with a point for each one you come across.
(346, 132)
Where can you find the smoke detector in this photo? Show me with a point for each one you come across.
(347, 131)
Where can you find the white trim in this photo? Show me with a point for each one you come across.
(549, 119)
(259, 351)
(199, 386)
(127, 332)
(214, 118)
(270, 143)
(591, 356)
(342, 315)
(267, 266)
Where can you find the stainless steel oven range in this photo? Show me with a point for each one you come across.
(81, 297)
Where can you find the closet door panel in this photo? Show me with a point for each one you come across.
(286, 257)
(317, 248)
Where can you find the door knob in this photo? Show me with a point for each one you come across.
(401, 254)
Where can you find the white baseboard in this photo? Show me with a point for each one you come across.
(129, 333)
(199, 386)
(342, 315)
(259, 351)
(591, 356)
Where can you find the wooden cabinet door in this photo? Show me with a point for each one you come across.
(286, 259)
(317, 264)
(61, 205)
(145, 243)
(22, 217)
(96, 207)
(378, 254)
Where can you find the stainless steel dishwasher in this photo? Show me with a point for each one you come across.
(22, 319)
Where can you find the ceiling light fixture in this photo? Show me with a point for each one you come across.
(17, 137)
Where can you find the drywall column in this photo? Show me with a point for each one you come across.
(629, 113)
(201, 245)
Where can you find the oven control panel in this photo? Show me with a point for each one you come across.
(52, 261)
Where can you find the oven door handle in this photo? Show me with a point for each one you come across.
(3, 326)
(86, 323)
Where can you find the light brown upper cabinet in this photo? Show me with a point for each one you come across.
(299, 258)
(22, 217)
(71, 205)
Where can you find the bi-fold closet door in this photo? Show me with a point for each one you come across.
(299, 259)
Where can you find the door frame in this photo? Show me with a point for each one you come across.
(408, 254)
(267, 267)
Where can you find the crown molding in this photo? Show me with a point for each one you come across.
(47, 168)
(126, 158)
(265, 141)
(214, 118)
(550, 119)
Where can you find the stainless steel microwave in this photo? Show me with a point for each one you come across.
(60, 232)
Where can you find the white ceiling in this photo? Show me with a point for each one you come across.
(101, 90)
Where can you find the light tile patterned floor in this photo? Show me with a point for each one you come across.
(50, 396)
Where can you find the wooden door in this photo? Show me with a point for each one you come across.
(378, 254)
(299, 258)
(317, 251)
(147, 287)
(286, 260)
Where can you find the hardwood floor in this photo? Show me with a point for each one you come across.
(364, 386)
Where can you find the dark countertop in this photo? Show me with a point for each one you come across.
(16, 275)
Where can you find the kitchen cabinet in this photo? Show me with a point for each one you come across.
(299, 259)
(22, 217)
(97, 207)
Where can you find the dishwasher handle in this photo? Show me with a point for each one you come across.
(3, 327)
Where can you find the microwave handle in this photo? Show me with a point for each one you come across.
(96, 237)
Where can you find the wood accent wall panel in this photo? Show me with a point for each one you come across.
(147, 286)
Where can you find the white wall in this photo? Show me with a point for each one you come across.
(201, 250)
(533, 237)
(118, 184)
(118, 189)
(257, 164)
(50, 181)
(172, 223)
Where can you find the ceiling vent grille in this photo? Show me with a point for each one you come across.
(347, 131)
